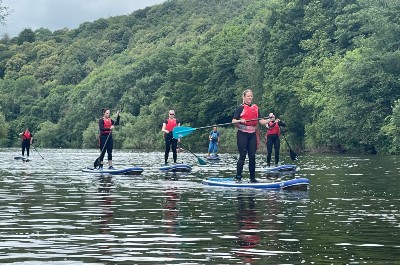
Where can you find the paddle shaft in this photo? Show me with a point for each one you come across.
(293, 155)
(201, 161)
(284, 137)
(37, 151)
(97, 161)
(228, 123)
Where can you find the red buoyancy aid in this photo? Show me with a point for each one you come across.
(171, 124)
(107, 125)
(26, 135)
(273, 129)
(249, 113)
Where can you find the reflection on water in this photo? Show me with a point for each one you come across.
(105, 203)
(249, 230)
(50, 212)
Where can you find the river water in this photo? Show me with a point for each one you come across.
(52, 213)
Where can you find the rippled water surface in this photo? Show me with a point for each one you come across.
(51, 212)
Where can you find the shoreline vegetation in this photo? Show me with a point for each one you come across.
(329, 70)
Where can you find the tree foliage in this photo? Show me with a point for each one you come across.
(329, 69)
(4, 13)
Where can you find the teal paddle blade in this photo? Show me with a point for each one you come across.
(182, 131)
(201, 161)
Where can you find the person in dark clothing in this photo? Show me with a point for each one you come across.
(26, 141)
(273, 138)
(106, 125)
(246, 118)
(168, 125)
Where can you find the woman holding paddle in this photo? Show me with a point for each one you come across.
(168, 125)
(26, 141)
(272, 137)
(106, 125)
(246, 118)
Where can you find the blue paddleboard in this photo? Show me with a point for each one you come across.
(297, 183)
(176, 168)
(22, 158)
(123, 171)
(213, 157)
(281, 168)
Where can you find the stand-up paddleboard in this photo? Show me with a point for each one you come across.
(22, 158)
(176, 168)
(213, 157)
(293, 184)
(281, 168)
(123, 171)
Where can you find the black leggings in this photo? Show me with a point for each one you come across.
(169, 140)
(26, 143)
(108, 146)
(247, 144)
(273, 141)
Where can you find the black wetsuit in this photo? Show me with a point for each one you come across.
(273, 141)
(170, 141)
(247, 145)
(26, 144)
(106, 139)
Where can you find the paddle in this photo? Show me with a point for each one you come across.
(293, 155)
(201, 161)
(182, 131)
(37, 151)
(97, 161)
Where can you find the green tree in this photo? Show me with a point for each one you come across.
(48, 135)
(4, 126)
(392, 129)
(15, 64)
(90, 136)
(43, 34)
(26, 35)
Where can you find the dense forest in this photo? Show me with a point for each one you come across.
(330, 69)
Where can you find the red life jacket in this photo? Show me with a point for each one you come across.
(26, 135)
(249, 113)
(171, 124)
(107, 125)
(273, 129)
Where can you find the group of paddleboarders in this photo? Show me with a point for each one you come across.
(246, 118)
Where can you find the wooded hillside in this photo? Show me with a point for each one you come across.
(329, 69)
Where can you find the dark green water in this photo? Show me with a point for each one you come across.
(52, 213)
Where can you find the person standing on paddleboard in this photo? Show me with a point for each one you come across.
(273, 138)
(168, 125)
(246, 118)
(26, 141)
(106, 125)
(214, 138)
